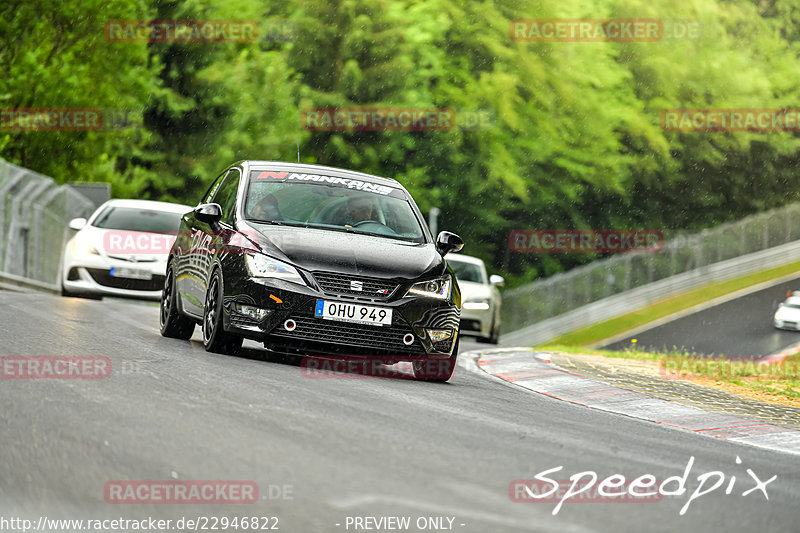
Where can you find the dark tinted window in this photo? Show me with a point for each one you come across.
(226, 195)
(207, 199)
(467, 271)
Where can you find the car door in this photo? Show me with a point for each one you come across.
(187, 262)
(207, 240)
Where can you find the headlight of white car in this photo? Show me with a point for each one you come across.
(81, 248)
(261, 266)
(435, 288)
(477, 303)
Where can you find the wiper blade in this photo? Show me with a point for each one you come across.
(275, 222)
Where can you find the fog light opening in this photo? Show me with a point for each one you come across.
(439, 335)
(289, 325)
(250, 311)
(408, 339)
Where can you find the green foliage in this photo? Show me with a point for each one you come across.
(575, 140)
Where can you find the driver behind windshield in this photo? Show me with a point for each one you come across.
(359, 210)
(267, 209)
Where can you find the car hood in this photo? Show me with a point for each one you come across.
(347, 253)
(788, 313)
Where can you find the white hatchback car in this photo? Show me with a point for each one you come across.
(121, 250)
(480, 297)
(788, 314)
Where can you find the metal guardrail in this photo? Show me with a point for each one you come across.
(544, 309)
(34, 213)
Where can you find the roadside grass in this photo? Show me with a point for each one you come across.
(772, 383)
(775, 383)
(619, 325)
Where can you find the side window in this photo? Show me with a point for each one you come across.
(207, 199)
(226, 195)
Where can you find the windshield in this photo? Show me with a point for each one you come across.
(467, 271)
(135, 219)
(334, 204)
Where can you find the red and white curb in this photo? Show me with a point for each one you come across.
(534, 371)
(777, 357)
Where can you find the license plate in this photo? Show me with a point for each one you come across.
(349, 312)
(131, 273)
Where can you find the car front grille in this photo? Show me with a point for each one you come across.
(244, 321)
(379, 338)
(372, 288)
(103, 277)
(470, 325)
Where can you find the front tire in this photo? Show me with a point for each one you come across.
(215, 338)
(173, 324)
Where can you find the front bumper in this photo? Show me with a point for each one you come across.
(787, 325)
(92, 276)
(477, 321)
(290, 301)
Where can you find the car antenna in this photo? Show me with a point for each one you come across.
(298, 147)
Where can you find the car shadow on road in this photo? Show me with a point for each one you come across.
(334, 366)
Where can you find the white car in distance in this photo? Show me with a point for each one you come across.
(480, 297)
(788, 314)
(121, 250)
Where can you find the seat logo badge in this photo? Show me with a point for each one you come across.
(357, 286)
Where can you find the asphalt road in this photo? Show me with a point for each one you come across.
(344, 447)
(738, 328)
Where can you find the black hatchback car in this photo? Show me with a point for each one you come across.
(314, 260)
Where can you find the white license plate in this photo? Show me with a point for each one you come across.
(131, 273)
(349, 312)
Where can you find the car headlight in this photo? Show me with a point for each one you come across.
(477, 303)
(435, 288)
(81, 247)
(261, 266)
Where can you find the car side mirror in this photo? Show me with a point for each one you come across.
(496, 280)
(780, 304)
(448, 242)
(77, 224)
(208, 213)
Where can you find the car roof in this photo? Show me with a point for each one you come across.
(794, 300)
(464, 259)
(149, 204)
(319, 169)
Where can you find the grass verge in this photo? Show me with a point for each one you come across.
(777, 383)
